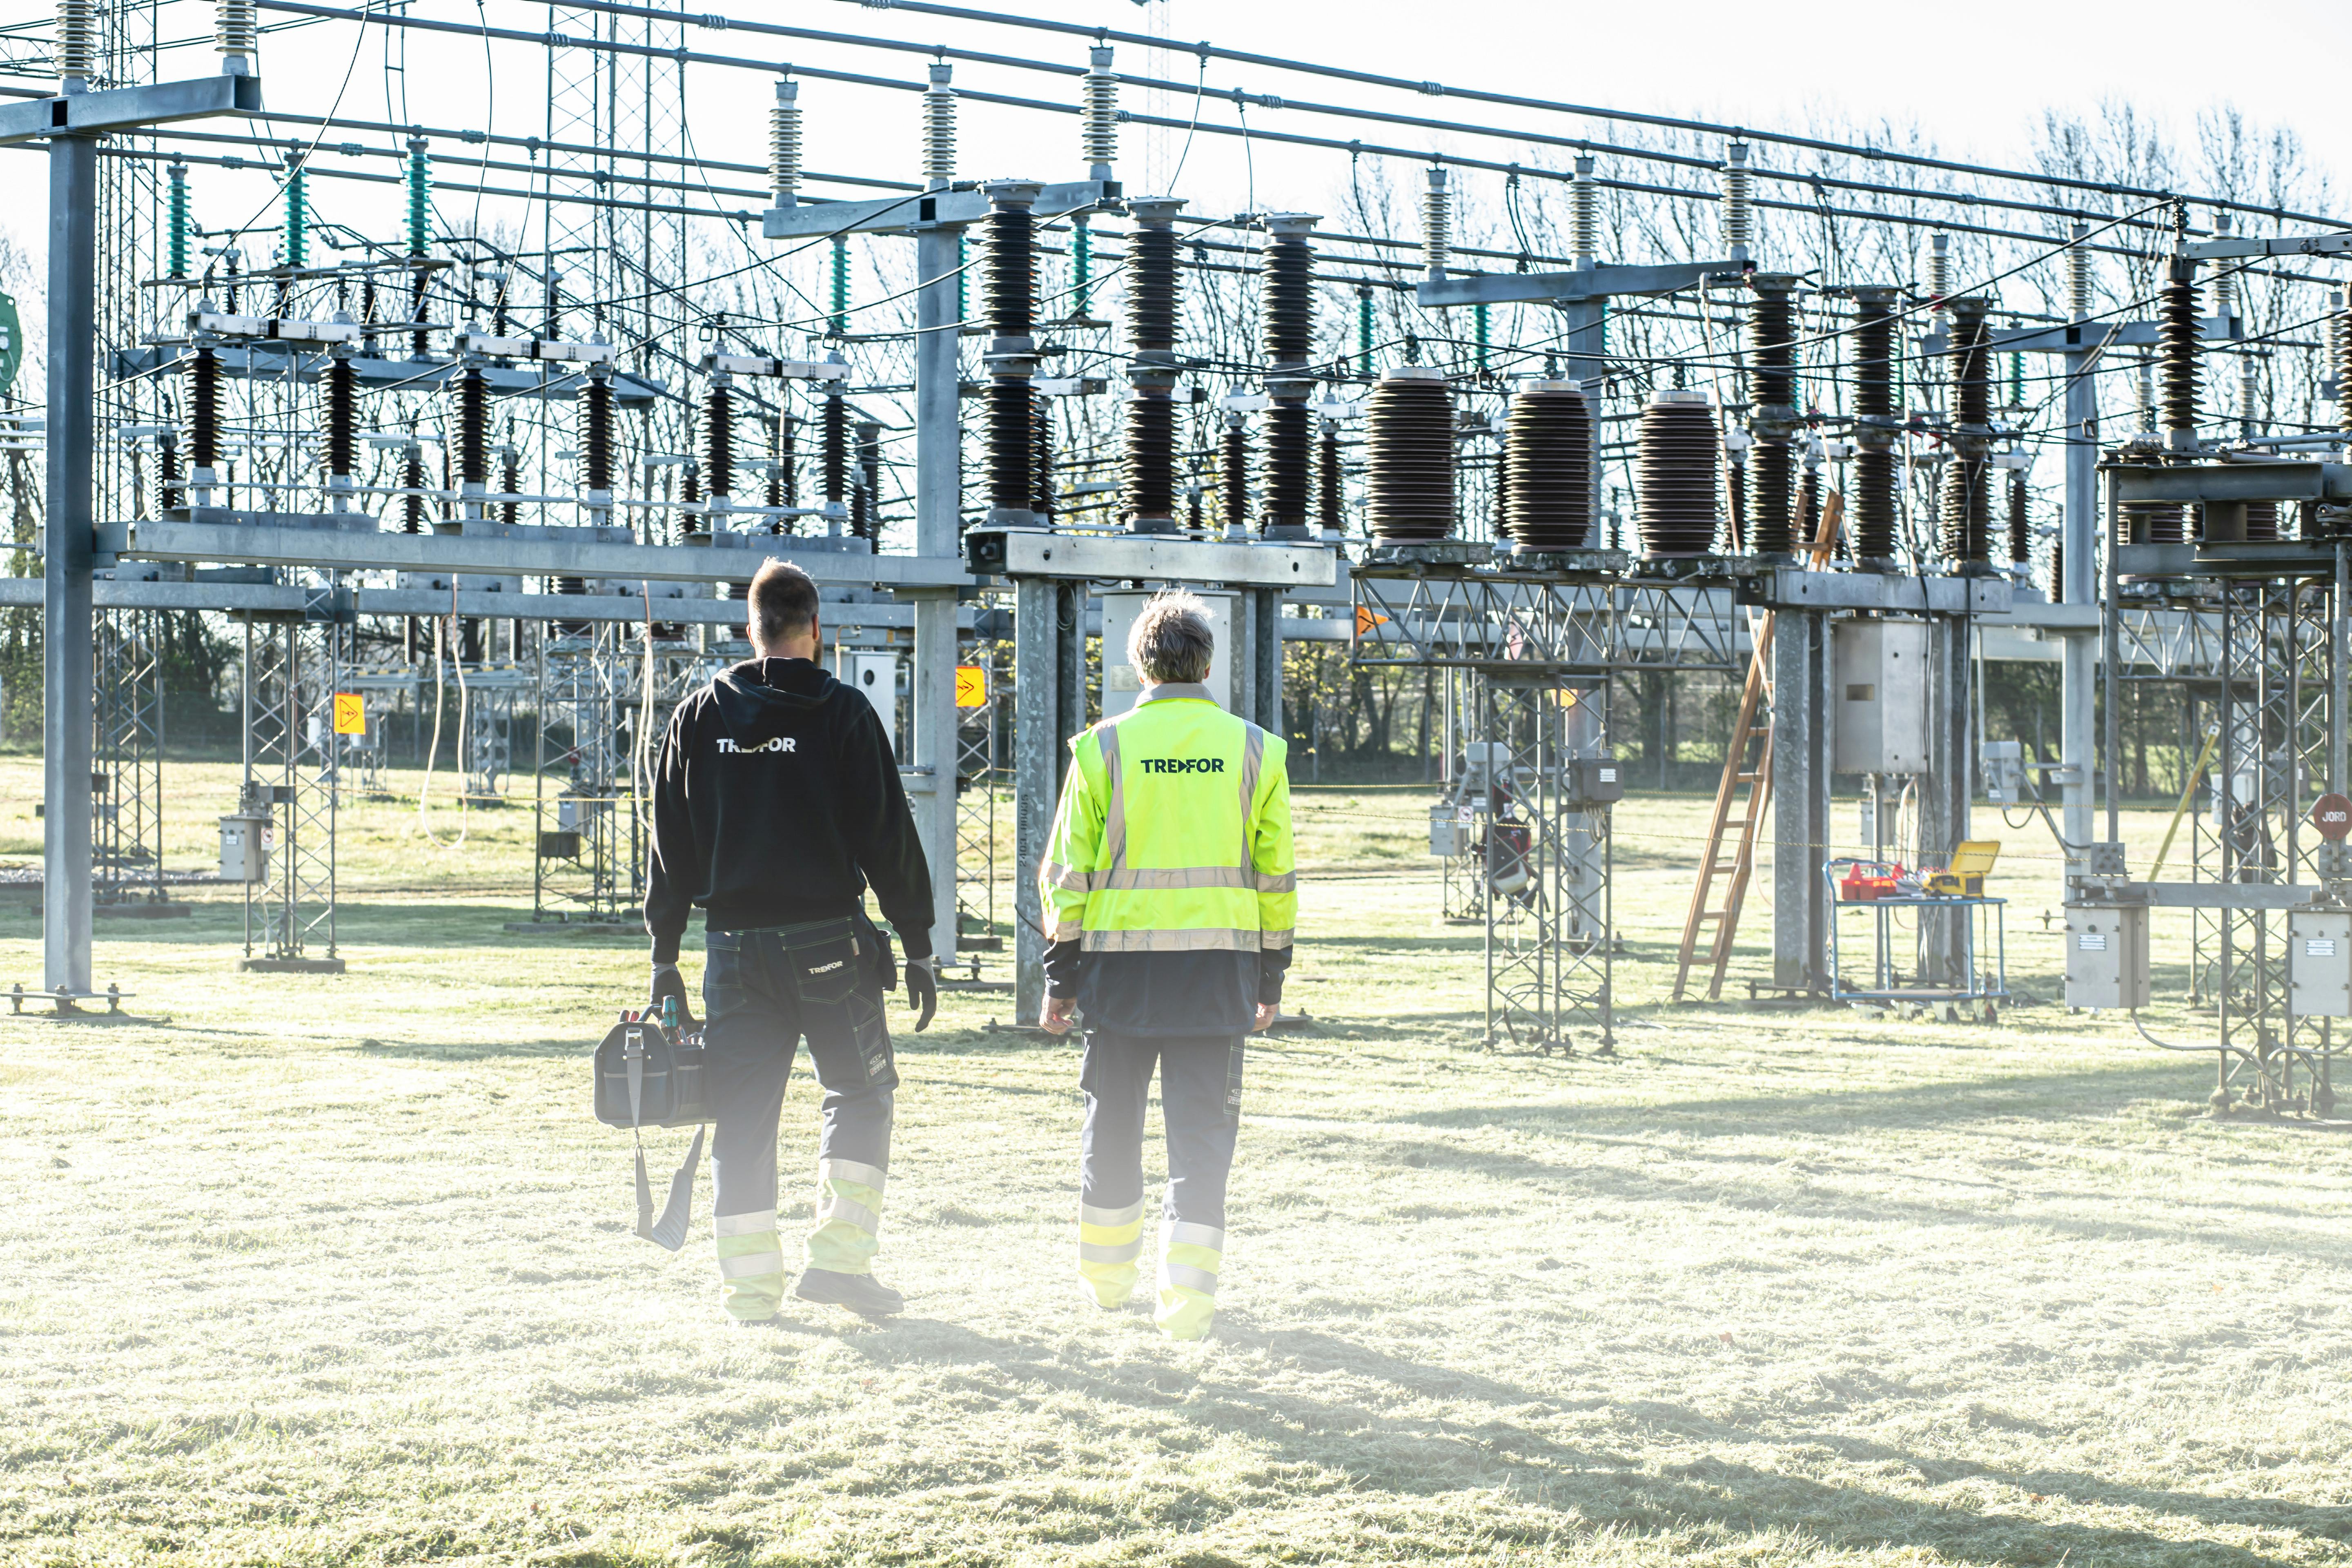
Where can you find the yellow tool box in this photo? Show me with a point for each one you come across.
(1964, 877)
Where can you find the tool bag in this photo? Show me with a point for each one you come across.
(648, 1076)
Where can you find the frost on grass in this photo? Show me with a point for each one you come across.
(337, 1271)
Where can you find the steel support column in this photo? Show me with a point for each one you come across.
(1049, 695)
(937, 498)
(1944, 791)
(1261, 673)
(69, 672)
(2079, 693)
(1800, 800)
(1588, 366)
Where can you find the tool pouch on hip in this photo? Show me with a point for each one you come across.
(837, 969)
(649, 1076)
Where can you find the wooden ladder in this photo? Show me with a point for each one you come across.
(1746, 789)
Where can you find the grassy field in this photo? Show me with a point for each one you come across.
(328, 1270)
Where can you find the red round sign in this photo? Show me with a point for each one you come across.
(2332, 815)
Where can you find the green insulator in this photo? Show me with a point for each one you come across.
(840, 285)
(297, 216)
(1478, 328)
(1081, 267)
(2017, 381)
(175, 223)
(962, 312)
(1364, 327)
(420, 198)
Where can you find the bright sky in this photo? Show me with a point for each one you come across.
(1976, 90)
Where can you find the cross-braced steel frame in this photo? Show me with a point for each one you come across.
(292, 670)
(127, 812)
(1539, 647)
(588, 852)
(976, 777)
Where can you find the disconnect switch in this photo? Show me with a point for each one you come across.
(2106, 955)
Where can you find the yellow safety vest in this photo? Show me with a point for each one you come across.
(1173, 833)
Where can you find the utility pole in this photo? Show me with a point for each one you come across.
(72, 122)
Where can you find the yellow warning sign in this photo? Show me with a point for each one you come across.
(971, 686)
(350, 713)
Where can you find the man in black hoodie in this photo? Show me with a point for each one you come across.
(777, 799)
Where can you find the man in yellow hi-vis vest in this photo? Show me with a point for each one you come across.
(1170, 891)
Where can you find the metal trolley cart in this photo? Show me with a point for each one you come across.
(1980, 923)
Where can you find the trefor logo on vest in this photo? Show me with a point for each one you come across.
(774, 744)
(1183, 765)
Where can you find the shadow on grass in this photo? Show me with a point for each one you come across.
(1425, 1453)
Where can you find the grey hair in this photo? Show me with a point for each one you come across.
(1171, 641)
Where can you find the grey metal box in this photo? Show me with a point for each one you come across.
(243, 848)
(1448, 835)
(1878, 696)
(2319, 963)
(2106, 955)
(1593, 781)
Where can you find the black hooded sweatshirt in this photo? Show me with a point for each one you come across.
(776, 798)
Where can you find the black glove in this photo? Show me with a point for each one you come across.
(922, 990)
(669, 982)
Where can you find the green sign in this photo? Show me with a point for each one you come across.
(11, 343)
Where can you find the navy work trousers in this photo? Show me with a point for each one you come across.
(1200, 1100)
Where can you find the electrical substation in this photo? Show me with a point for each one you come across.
(513, 489)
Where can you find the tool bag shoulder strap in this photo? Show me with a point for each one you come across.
(649, 1076)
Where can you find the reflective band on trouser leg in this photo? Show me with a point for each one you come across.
(1190, 1256)
(751, 1263)
(1110, 1242)
(848, 1217)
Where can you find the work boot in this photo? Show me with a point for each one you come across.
(770, 1322)
(861, 1293)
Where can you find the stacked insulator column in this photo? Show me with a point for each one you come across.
(783, 482)
(785, 144)
(175, 223)
(203, 424)
(596, 443)
(420, 236)
(1149, 478)
(511, 481)
(1010, 300)
(342, 428)
(1877, 428)
(167, 470)
(1330, 497)
(2343, 368)
(834, 458)
(1233, 483)
(1409, 457)
(1098, 115)
(78, 43)
(2020, 527)
(411, 480)
(1546, 468)
(1436, 225)
(236, 33)
(1677, 507)
(1042, 497)
(1584, 215)
(939, 128)
(2262, 520)
(1772, 417)
(1288, 274)
(2176, 336)
(719, 443)
(1739, 214)
(473, 440)
(1966, 503)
